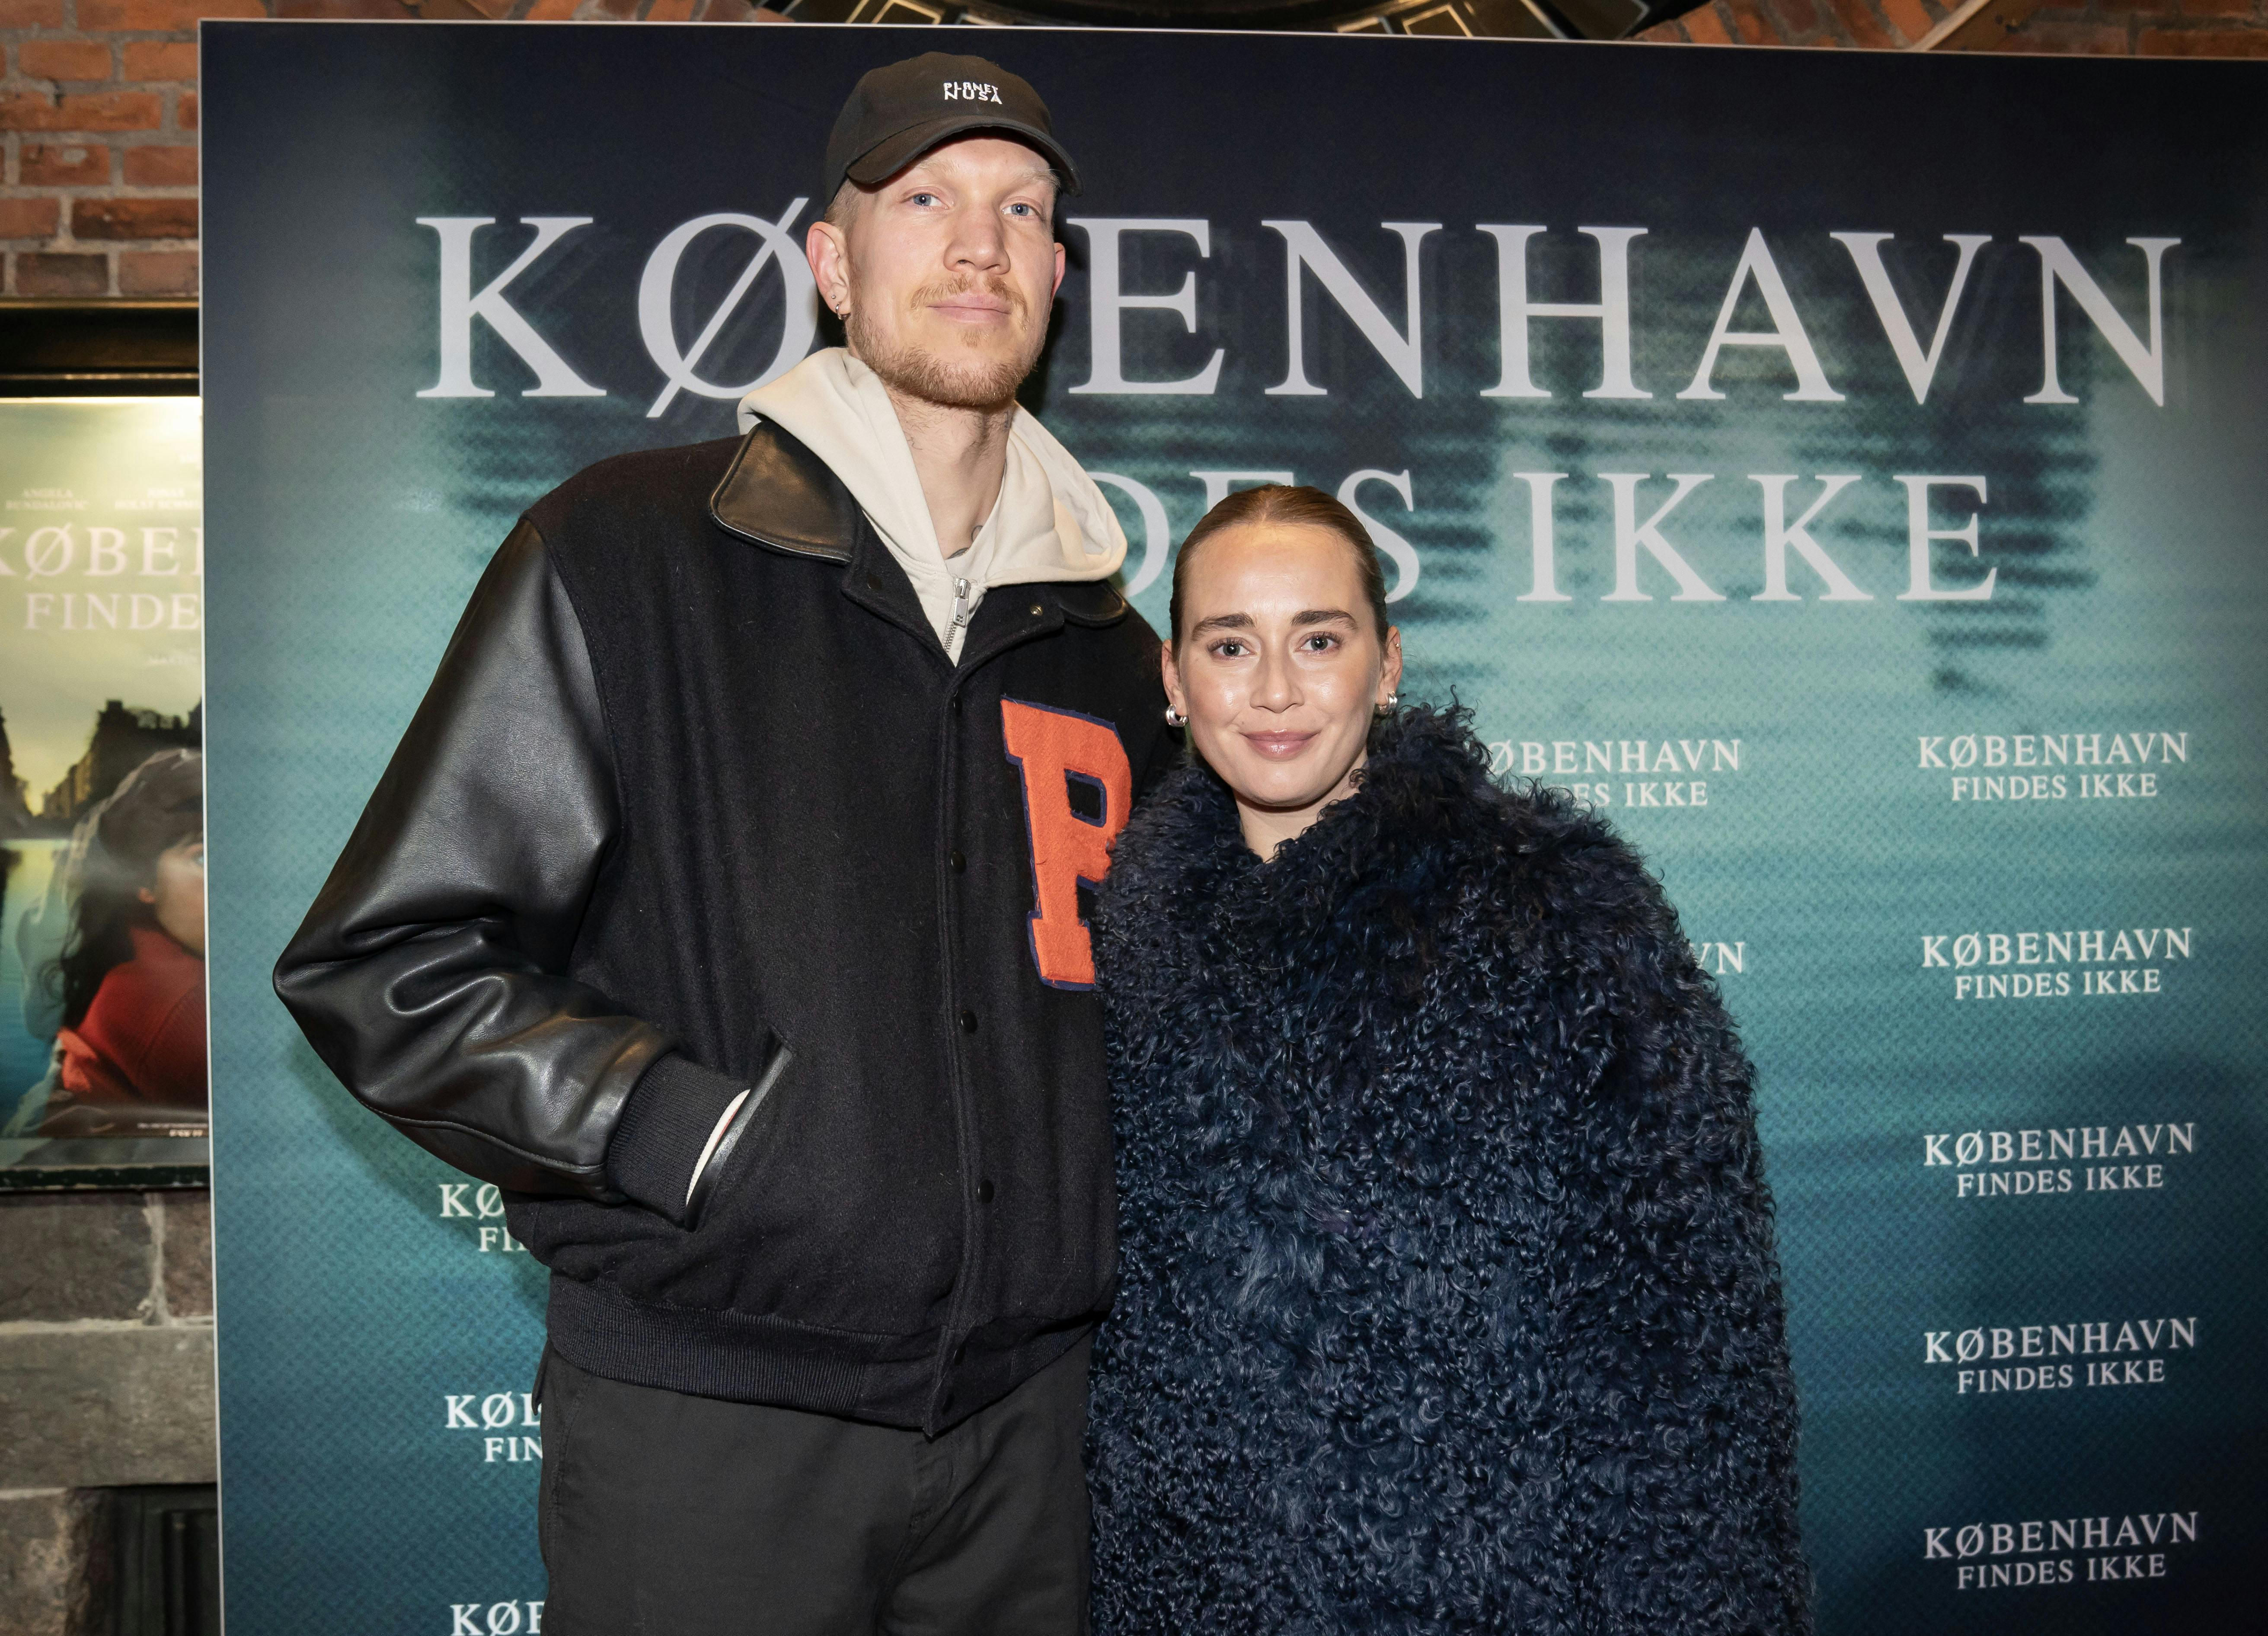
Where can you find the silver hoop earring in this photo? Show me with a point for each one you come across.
(1174, 718)
(1392, 699)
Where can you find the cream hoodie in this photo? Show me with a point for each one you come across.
(1050, 523)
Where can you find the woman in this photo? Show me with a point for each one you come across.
(130, 1056)
(1448, 1300)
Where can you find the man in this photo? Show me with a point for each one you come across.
(724, 904)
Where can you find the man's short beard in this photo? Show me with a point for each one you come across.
(968, 379)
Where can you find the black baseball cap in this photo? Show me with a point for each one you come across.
(896, 115)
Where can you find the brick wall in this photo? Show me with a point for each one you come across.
(99, 99)
(98, 134)
(106, 1381)
(99, 126)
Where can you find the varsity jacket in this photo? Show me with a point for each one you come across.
(698, 806)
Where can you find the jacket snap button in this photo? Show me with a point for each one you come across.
(960, 864)
(1037, 610)
(968, 1022)
(874, 582)
(984, 1191)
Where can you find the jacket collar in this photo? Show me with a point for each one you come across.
(777, 494)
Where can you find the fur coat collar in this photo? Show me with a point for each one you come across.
(1424, 792)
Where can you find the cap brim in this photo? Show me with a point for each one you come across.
(887, 158)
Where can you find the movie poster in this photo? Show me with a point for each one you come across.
(1843, 471)
(102, 978)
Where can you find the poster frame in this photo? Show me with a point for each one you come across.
(95, 349)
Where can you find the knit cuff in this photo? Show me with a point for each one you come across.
(664, 1127)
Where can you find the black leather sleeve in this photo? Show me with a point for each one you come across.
(429, 973)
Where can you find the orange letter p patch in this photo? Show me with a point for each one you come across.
(1050, 748)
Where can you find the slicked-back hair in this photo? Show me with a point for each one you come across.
(1297, 507)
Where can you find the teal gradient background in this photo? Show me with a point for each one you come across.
(348, 518)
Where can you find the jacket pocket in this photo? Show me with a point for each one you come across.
(838, 1208)
(736, 1150)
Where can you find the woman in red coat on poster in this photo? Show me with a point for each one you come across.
(130, 1056)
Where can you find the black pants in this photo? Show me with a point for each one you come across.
(665, 1514)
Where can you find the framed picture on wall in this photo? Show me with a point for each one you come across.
(103, 1061)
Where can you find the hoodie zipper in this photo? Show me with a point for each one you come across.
(959, 627)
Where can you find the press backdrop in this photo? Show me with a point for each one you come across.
(1882, 551)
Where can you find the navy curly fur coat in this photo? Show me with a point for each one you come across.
(1448, 1300)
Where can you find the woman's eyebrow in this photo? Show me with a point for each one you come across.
(1322, 616)
(1223, 622)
